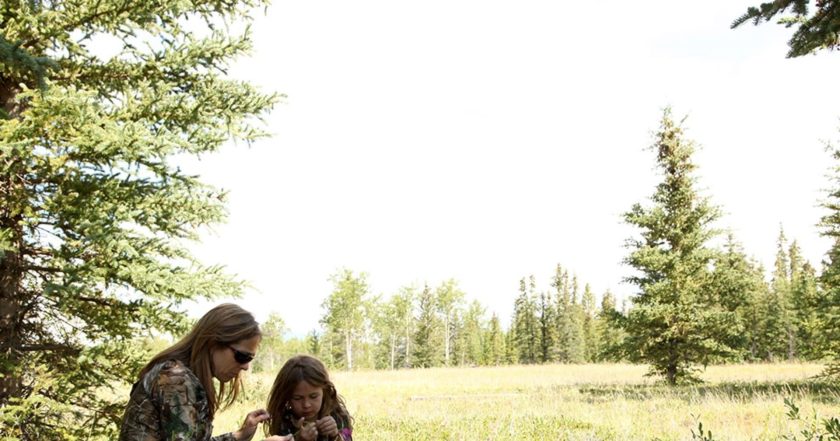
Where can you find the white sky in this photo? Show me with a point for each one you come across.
(489, 140)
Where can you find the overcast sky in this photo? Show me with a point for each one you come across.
(489, 140)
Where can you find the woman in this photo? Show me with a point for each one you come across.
(174, 397)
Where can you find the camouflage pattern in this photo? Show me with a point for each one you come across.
(169, 404)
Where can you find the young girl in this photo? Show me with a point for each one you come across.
(303, 402)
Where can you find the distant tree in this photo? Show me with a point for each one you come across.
(404, 304)
(547, 319)
(816, 28)
(563, 294)
(313, 343)
(610, 330)
(471, 342)
(494, 343)
(806, 303)
(344, 313)
(448, 301)
(427, 336)
(570, 339)
(779, 314)
(739, 285)
(675, 323)
(396, 325)
(512, 352)
(591, 337)
(829, 279)
(524, 324)
(272, 348)
(95, 214)
(573, 333)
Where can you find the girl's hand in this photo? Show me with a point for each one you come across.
(249, 426)
(279, 438)
(307, 432)
(327, 426)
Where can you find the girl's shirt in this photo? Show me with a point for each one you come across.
(289, 428)
(169, 404)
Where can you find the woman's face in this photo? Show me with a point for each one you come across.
(306, 400)
(225, 364)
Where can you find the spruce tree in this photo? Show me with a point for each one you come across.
(817, 28)
(471, 343)
(525, 325)
(804, 303)
(428, 341)
(610, 330)
(675, 323)
(494, 343)
(780, 313)
(573, 332)
(95, 214)
(591, 339)
(740, 287)
(563, 319)
(829, 280)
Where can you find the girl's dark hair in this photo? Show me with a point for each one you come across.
(218, 328)
(310, 369)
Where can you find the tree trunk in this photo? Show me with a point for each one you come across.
(10, 318)
(671, 374)
(407, 348)
(348, 350)
(393, 350)
(446, 340)
(8, 91)
(791, 344)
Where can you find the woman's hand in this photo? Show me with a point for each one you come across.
(307, 432)
(327, 426)
(249, 426)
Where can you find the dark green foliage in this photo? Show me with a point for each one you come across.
(94, 215)
(676, 322)
(591, 336)
(427, 336)
(494, 343)
(525, 326)
(816, 28)
(546, 318)
(610, 330)
(738, 284)
(829, 280)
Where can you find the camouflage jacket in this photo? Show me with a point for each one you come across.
(169, 404)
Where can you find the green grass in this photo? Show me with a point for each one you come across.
(566, 402)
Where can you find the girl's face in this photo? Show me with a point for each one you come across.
(306, 400)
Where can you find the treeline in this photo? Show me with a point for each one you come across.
(698, 300)
(778, 318)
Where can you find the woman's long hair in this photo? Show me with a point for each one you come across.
(221, 326)
(309, 369)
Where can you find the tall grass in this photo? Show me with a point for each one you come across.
(565, 402)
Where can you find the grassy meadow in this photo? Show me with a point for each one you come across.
(566, 402)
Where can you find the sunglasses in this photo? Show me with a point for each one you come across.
(241, 357)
